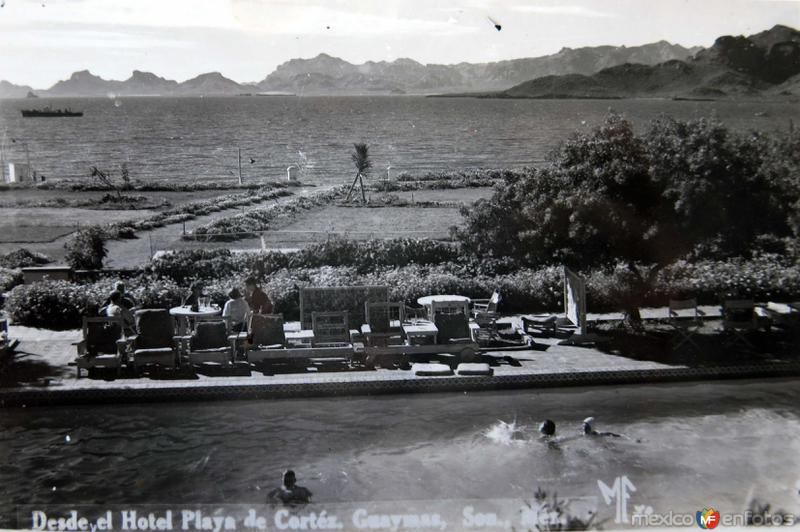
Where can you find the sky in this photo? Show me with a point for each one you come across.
(43, 41)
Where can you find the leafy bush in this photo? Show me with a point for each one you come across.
(61, 304)
(9, 278)
(86, 249)
(22, 258)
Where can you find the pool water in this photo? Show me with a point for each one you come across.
(684, 446)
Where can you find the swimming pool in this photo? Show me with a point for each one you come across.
(686, 446)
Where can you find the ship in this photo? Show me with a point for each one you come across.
(48, 112)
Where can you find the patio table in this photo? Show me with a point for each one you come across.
(183, 315)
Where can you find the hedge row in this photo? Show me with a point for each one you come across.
(247, 224)
(191, 210)
(59, 304)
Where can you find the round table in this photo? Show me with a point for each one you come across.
(202, 312)
(183, 314)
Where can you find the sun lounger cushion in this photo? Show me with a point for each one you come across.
(152, 351)
(431, 370)
(211, 350)
(209, 335)
(102, 338)
(154, 328)
(474, 369)
(265, 347)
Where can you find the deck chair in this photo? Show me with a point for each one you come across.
(102, 345)
(783, 315)
(452, 323)
(267, 342)
(155, 342)
(383, 323)
(739, 318)
(686, 320)
(331, 329)
(486, 306)
(210, 343)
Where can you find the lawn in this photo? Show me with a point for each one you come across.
(465, 195)
(380, 222)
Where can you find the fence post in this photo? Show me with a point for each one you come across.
(150, 238)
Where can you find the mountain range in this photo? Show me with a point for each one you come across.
(325, 74)
(766, 63)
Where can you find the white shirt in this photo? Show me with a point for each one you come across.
(236, 310)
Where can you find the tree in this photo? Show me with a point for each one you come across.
(107, 179)
(360, 156)
(611, 197)
(86, 249)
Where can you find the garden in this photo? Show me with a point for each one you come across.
(687, 209)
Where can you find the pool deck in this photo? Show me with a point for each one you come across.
(44, 374)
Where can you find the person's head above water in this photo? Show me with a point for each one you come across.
(587, 425)
(289, 479)
(548, 427)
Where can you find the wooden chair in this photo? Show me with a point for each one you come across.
(210, 343)
(383, 323)
(331, 329)
(739, 318)
(155, 342)
(102, 345)
(452, 322)
(486, 306)
(686, 320)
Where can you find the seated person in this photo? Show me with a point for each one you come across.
(290, 493)
(236, 309)
(259, 301)
(115, 309)
(192, 299)
(127, 301)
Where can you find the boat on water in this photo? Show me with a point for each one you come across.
(48, 112)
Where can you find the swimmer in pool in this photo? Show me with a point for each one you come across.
(547, 428)
(290, 492)
(588, 430)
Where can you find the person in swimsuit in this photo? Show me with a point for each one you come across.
(290, 492)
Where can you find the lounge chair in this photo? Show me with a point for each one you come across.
(155, 342)
(267, 343)
(102, 345)
(486, 306)
(783, 315)
(383, 323)
(739, 318)
(686, 320)
(452, 323)
(210, 343)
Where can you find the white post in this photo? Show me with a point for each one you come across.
(239, 158)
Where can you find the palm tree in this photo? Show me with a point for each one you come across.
(361, 160)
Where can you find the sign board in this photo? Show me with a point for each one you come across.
(575, 300)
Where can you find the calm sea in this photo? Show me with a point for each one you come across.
(198, 138)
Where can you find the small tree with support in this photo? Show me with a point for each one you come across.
(361, 160)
